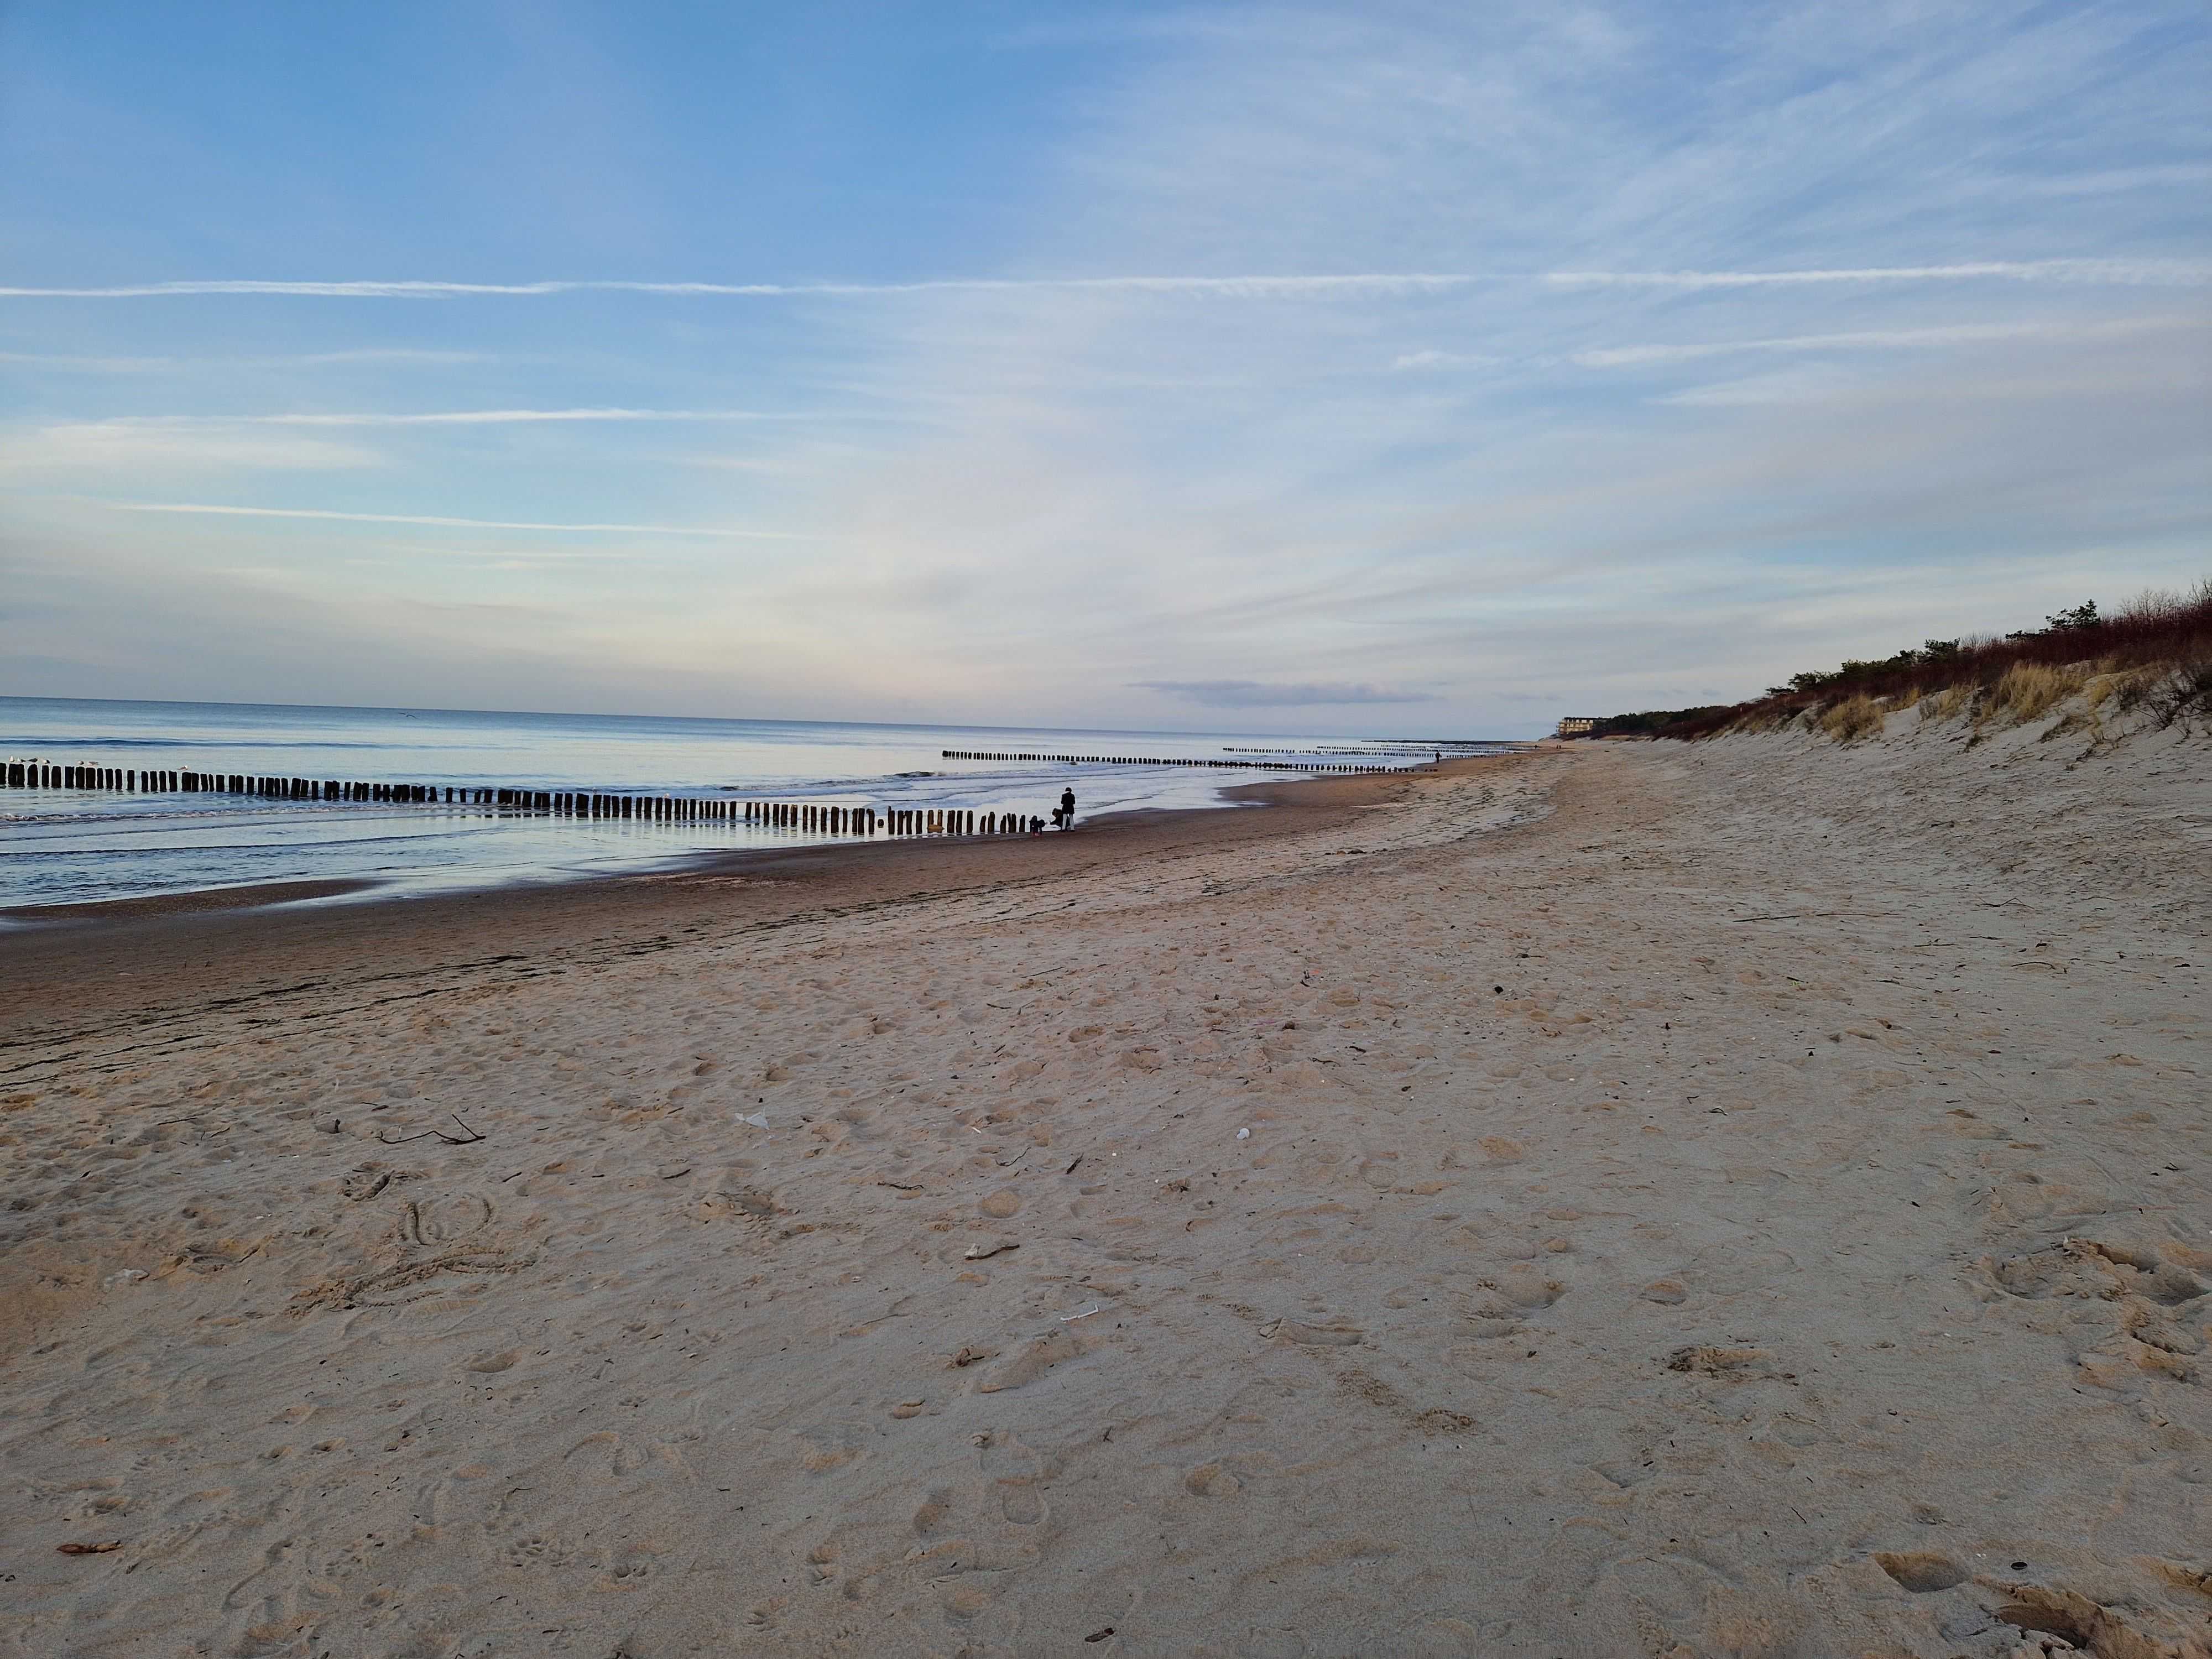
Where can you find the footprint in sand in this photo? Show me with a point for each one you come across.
(932, 1510)
(1922, 1571)
(1525, 1287)
(439, 1220)
(1034, 1361)
(1211, 1481)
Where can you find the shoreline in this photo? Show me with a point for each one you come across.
(195, 948)
(400, 889)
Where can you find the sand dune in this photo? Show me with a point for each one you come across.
(1752, 1199)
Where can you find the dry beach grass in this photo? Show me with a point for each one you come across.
(1751, 1198)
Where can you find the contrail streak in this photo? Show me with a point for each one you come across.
(458, 417)
(442, 523)
(2159, 273)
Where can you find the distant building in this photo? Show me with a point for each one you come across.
(1578, 725)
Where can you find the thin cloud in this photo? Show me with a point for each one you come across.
(1255, 694)
(1877, 339)
(1245, 287)
(711, 531)
(2164, 273)
(119, 450)
(68, 363)
(2126, 273)
(1427, 360)
(457, 418)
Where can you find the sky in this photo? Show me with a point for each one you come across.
(1370, 369)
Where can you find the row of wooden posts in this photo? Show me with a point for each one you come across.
(776, 815)
(1139, 760)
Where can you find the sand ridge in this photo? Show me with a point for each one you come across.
(1628, 1200)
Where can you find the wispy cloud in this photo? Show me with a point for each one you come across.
(457, 418)
(2134, 273)
(1255, 693)
(120, 449)
(1427, 360)
(2125, 273)
(63, 362)
(440, 522)
(1257, 286)
(1882, 339)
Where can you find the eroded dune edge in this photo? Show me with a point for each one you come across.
(1748, 1198)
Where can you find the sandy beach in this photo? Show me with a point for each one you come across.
(1743, 1199)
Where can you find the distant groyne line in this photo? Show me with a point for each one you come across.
(803, 816)
(1155, 760)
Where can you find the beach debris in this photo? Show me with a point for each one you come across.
(1099, 1635)
(758, 1119)
(332, 1127)
(967, 1357)
(127, 1276)
(1070, 1169)
(985, 1252)
(1069, 1319)
(90, 1549)
(359, 1191)
(669, 1171)
(1243, 1134)
(467, 1137)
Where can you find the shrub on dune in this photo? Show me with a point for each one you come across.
(2154, 652)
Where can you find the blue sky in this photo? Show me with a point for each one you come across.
(1387, 367)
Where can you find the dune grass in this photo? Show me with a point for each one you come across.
(1854, 718)
(2152, 652)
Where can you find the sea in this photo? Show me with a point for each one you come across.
(73, 847)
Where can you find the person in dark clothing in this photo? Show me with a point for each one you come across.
(1068, 809)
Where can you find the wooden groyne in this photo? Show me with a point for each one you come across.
(1142, 760)
(806, 817)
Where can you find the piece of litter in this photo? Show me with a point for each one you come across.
(758, 1119)
(1069, 1319)
(128, 1276)
(1243, 1134)
(90, 1549)
(985, 1252)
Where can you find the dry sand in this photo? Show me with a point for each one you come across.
(1754, 1199)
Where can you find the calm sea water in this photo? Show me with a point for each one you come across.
(62, 846)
